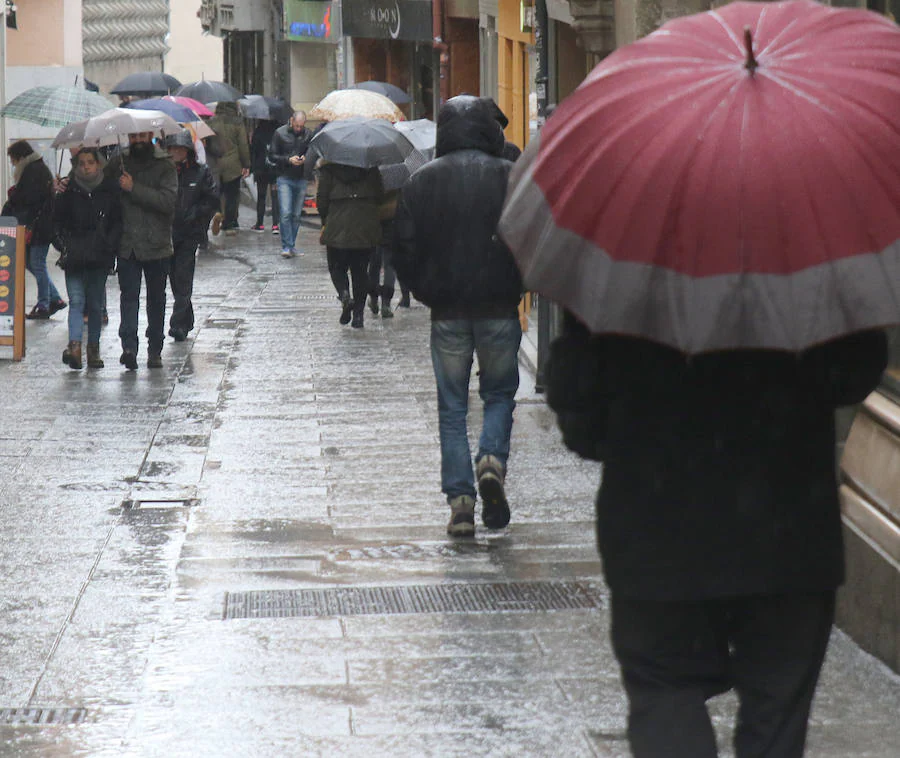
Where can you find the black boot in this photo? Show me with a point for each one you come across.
(346, 307)
(386, 296)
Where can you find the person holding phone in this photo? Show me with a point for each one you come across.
(288, 151)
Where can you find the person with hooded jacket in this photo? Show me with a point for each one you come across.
(348, 199)
(447, 251)
(149, 186)
(87, 222)
(198, 200)
(233, 161)
(718, 522)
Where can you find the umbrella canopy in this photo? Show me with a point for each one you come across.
(265, 108)
(367, 143)
(195, 105)
(109, 127)
(391, 91)
(209, 92)
(352, 103)
(710, 190)
(180, 113)
(55, 106)
(422, 133)
(146, 84)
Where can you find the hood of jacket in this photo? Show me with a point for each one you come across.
(467, 123)
(228, 110)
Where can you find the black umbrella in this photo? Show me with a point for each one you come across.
(210, 92)
(264, 108)
(147, 84)
(367, 143)
(390, 91)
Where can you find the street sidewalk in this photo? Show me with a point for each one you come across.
(243, 554)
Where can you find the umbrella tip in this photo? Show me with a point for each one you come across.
(751, 64)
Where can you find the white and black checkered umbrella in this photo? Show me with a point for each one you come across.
(55, 106)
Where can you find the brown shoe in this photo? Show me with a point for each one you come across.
(93, 355)
(72, 355)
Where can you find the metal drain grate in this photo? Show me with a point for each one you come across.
(224, 323)
(42, 715)
(158, 504)
(439, 598)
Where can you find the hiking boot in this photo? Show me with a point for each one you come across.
(373, 304)
(154, 360)
(57, 305)
(217, 223)
(93, 355)
(72, 355)
(357, 322)
(129, 360)
(257, 228)
(346, 308)
(386, 311)
(462, 517)
(38, 313)
(494, 508)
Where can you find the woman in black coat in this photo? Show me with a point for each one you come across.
(30, 201)
(87, 222)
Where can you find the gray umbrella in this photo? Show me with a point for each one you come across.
(390, 91)
(364, 143)
(422, 133)
(147, 84)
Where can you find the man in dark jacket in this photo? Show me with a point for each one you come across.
(198, 199)
(149, 186)
(263, 174)
(447, 252)
(718, 523)
(288, 150)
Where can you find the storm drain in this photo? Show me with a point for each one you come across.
(440, 598)
(158, 505)
(224, 323)
(42, 715)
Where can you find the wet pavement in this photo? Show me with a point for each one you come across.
(243, 554)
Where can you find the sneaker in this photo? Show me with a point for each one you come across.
(179, 335)
(288, 253)
(275, 229)
(494, 508)
(257, 228)
(217, 222)
(128, 360)
(154, 360)
(295, 252)
(357, 321)
(462, 517)
(346, 308)
(57, 305)
(38, 313)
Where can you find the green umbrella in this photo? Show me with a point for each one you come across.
(55, 106)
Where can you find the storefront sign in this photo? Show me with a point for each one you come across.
(311, 21)
(388, 19)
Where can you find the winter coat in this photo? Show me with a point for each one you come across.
(287, 143)
(149, 209)
(446, 248)
(31, 201)
(719, 475)
(87, 225)
(259, 147)
(198, 201)
(232, 138)
(348, 200)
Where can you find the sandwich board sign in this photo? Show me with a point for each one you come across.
(12, 286)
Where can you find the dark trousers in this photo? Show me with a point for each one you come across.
(675, 656)
(381, 258)
(342, 260)
(265, 186)
(181, 279)
(154, 273)
(231, 195)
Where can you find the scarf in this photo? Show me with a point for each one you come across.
(89, 184)
(20, 166)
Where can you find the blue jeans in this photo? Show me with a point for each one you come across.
(87, 289)
(453, 344)
(36, 263)
(291, 194)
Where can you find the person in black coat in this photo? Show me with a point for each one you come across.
(87, 223)
(718, 523)
(197, 203)
(263, 174)
(30, 201)
(447, 251)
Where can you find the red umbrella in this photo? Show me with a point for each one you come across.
(730, 181)
(188, 102)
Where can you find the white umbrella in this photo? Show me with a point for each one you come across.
(109, 127)
(350, 103)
